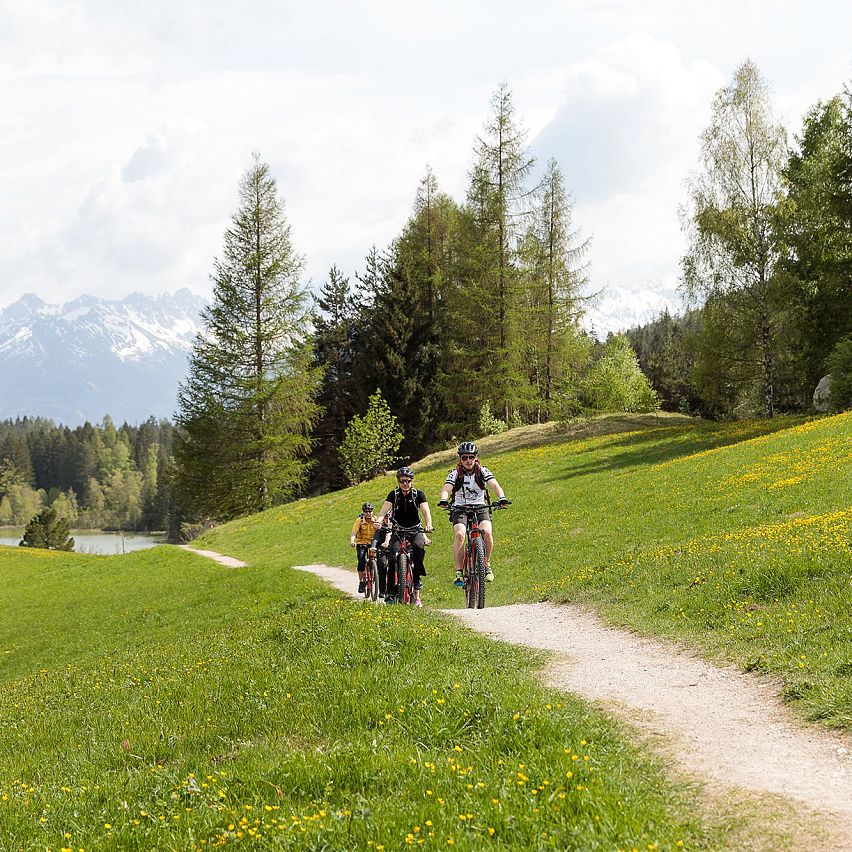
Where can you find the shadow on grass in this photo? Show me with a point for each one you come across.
(561, 432)
(667, 444)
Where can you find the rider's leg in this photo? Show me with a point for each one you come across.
(390, 583)
(485, 526)
(418, 552)
(361, 549)
(459, 531)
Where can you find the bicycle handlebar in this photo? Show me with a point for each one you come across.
(468, 510)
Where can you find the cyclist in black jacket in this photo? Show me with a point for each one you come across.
(406, 503)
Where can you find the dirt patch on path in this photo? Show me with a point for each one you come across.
(723, 725)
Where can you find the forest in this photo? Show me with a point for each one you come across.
(469, 323)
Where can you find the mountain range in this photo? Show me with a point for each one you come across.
(78, 361)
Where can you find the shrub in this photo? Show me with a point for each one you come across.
(371, 442)
(488, 423)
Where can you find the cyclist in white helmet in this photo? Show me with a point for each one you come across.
(468, 485)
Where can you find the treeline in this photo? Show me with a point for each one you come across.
(769, 266)
(96, 477)
(467, 322)
(471, 312)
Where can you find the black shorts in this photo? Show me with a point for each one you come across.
(459, 516)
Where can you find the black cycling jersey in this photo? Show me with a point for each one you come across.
(405, 511)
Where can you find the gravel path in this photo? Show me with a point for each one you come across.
(230, 561)
(725, 725)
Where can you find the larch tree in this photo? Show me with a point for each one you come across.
(248, 404)
(553, 274)
(733, 229)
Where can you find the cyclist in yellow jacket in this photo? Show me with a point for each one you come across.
(362, 535)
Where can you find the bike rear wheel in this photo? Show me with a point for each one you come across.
(372, 592)
(479, 572)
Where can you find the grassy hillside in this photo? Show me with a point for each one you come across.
(160, 701)
(734, 537)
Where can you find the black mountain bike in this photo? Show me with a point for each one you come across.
(403, 564)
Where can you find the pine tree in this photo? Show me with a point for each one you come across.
(249, 399)
(48, 531)
(499, 202)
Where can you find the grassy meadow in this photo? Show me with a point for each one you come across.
(160, 701)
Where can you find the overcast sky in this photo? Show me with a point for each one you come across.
(125, 127)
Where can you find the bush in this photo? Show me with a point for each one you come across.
(371, 442)
(617, 383)
(840, 367)
(488, 423)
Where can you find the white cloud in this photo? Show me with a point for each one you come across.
(124, 129)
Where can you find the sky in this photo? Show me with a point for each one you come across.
(125, 127)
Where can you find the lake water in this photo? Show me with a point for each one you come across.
(103, 544)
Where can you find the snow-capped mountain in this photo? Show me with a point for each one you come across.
(90, 357)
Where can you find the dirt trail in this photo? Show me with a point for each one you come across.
(230, 561)
(724, 725)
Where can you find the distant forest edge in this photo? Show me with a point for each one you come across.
(98, 477)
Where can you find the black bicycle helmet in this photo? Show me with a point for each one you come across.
(467, 448)
(367, 507)
(405, 471)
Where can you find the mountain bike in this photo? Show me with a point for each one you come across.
(403, 563)
(474, 568)
(371, 575)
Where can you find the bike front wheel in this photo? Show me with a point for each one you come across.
(372, 580)
(479, 573)
(402, 588)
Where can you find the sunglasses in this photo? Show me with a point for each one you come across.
(405, 482)
(467, 458)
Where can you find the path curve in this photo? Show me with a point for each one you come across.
(728, 726)
(230, 561)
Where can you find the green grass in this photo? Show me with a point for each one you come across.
(160, 701)
(732, 537)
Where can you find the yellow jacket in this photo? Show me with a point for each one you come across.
(363, 530)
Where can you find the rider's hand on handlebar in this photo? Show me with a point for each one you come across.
(444, 504)
(504, 501)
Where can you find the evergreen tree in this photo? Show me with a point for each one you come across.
(249, 399)
(47, 530)
(498, 199)
(340, 394)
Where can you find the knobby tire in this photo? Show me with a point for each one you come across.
(373, 580)
(402, 579)
(479, 573)
(471, 585)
